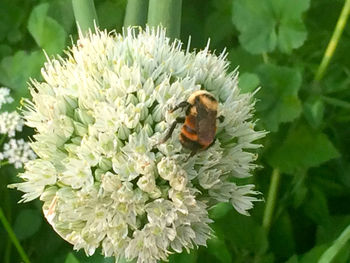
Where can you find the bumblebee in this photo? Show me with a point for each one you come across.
(199, 125)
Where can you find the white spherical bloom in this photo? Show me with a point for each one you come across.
(100, 116)
(17, 152)
(10, 122)
(5, 96)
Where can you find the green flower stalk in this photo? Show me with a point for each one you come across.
(102, 174)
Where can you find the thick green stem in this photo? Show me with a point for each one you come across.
(13, 237)
(136, 13)
(271, 199)
(334, 41)
(85, 14)
(166, 13)
(338, 244)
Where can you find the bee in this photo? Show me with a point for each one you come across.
(199, 125)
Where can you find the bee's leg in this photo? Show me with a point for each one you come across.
(178, 106)
(172, 128)
(193, 153)
(210, 145)
(221, 118)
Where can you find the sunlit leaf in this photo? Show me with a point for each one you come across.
(48, 34)
(16, 70)
(267, 24)
(248, 82)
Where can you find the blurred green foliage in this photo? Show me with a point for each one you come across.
(277, 45)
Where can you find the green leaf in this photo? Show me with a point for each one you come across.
(293, 259)
(16, 70)
(184, 257)
(12, 15)
(330, 232)
(219, 250)
(313, 255)
(248, 82)
(302, 149)
(62, 12)
(313, 111)
(218, 26)
(267, 24)
(71, 259)
(316, 208)
(96, 258)
(220, 210)
(243, 232)
(111, 14)
(48, 34)
(243, 59)
(281, 237)
(5, 50)
(27, 223)
(278, 96)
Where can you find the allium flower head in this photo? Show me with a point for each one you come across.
(103, 176)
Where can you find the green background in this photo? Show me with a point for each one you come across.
(278, 46)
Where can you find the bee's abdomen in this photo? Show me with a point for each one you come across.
(189, 133)
(189, 144)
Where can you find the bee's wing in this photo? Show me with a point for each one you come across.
(205, 125)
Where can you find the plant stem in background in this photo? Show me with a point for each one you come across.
(3, 163)
(271, 199)
(265, 57)
(2, 139)
(8, 209)
(166, 13)
(334, 41)
(336, 102)
(85, 14)
(136, 13)
(338, 244)
(13, 237)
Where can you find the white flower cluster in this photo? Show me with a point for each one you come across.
(5, 96)
(16, 152)
(103, 176)
(10, 122)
